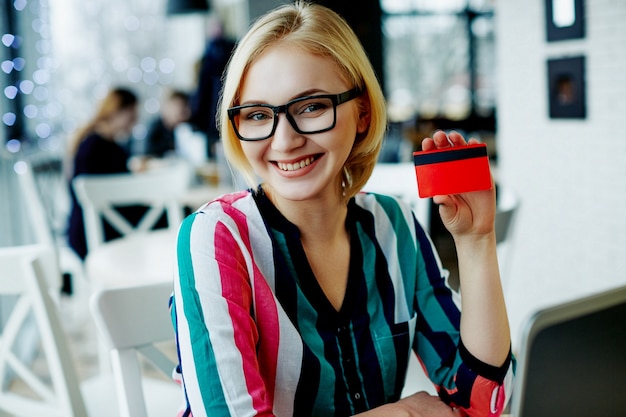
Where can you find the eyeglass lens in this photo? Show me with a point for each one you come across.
(309, 115)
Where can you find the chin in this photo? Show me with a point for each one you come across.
(292, 192)
(296, 195)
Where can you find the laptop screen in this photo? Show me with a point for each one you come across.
(572, 361)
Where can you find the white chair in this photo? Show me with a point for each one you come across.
(56, 392)
(136, 320)
(160, 189)
(398, 180)
(63, 256)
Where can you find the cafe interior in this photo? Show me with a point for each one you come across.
(542, 83)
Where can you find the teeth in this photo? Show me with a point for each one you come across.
(296, 165)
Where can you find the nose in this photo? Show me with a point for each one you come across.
(285, 137)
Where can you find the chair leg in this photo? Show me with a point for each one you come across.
(128, 383)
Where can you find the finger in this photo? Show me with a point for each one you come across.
(456, 138)
(441, 200)
(428, 144)
(441, 140)
(473, 141)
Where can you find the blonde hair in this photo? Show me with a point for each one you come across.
(320, 31)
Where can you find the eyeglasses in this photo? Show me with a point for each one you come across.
(307, 115)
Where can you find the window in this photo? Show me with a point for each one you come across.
(439, 58)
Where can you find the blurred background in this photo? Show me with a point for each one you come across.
(542, 82)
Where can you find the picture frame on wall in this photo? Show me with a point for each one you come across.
(566, 88)
(565, 19)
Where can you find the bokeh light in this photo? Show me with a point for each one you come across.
(13, 145)
(19, 63)
(10, 92)
(20, 4)
(167, 65)
(7, 39)
(9, 118)
(20, 167)
(27, 86)
(7, 66)
(31, 111)
(148, 64)
(41, 93)
(43, 130)
(134, 75)
(152, 105)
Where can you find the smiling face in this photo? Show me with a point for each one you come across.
(297, 166)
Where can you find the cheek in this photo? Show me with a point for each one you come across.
(341, 146)
(253, 151)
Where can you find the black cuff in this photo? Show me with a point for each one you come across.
(483, 369)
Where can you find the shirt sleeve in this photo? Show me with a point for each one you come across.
(461, 379)
(212, 313)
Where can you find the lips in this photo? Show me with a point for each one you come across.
(294, 166)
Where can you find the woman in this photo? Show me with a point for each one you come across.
(303, 296)
(97, 149)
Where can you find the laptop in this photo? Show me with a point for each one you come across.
(572, 360)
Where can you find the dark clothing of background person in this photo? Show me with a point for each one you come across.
(204, 101)
(96, 155)
(160, 140)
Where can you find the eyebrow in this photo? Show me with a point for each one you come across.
(305, 93)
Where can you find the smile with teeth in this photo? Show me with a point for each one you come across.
(296, 165)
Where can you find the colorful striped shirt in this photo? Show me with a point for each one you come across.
(257, 336)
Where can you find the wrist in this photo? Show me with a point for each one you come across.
(475, 240)
(398, 410)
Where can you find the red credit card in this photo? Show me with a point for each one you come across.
(455, 170)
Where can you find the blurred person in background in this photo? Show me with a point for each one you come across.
(161, 139)
(204, 100)
(98, 148)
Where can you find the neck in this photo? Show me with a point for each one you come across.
(320, 220)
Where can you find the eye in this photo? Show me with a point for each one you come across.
(257, 114)
(312, 107)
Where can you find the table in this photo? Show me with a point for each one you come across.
(199, 194)
(136, 259)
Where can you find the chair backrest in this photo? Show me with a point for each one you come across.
(35, 213)
(62, 257)
(160, 189)
(134, 320)
(398, 180)
(22, 276)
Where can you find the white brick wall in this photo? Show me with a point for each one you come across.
(570, 175)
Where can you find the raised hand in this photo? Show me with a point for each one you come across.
(468, 214)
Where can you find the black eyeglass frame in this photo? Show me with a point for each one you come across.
(336, 99)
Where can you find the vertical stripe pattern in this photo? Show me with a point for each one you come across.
(257, 337)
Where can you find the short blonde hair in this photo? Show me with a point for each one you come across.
(320, 31)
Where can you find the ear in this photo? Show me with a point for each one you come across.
(365, 114)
